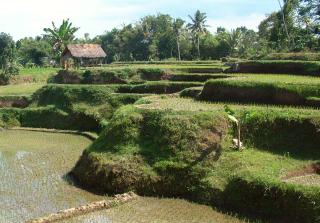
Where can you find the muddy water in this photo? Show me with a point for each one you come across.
(146, 210)
(32, 170)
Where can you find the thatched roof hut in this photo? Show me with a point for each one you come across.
(83, 54)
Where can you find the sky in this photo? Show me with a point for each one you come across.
(27, 18)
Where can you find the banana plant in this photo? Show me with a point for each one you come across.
(60, 36)
(237, 123)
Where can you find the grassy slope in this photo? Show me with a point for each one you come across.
(38, 74)
(252, 168)
(263, 89)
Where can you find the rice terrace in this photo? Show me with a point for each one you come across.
(166, 118)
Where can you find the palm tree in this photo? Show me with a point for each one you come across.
(198, 27)
(177, 27)
(233, 39)
(60, 36)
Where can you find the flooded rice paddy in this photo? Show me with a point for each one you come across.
(154, 210)
(32, 170)
(33, 166)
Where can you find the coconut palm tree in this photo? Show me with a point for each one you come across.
(60, 36)
(177, 27)
(198, 27)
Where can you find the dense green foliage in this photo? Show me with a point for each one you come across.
(61, 36)
(34, 52)
(8, 65)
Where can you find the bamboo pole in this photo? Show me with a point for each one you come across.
(92, 207)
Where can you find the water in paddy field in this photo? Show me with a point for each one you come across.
(32, 167)
(32, 170)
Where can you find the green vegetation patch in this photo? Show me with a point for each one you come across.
(156, 152)
(95, 76)
(305, 56)
(188, 154)
(47, 117)
(197, 77)
(76, 107)
(280, 67)
(158, 87)
(20, 89)
(287, 90)
(64, 96)
(127, 75)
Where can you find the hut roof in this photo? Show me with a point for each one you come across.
(85, 51)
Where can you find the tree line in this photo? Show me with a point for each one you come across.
(294, 27)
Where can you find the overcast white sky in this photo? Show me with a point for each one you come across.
(22, 18)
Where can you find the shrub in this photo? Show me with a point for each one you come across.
(63, 96)
(151, 74)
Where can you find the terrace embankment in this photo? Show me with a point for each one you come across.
(278, 67)
(136, 75)
(272, 89)
(14, 101)
(187, 154)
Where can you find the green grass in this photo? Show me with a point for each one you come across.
(277, 78)
(268, 89)
(38, 74)
(174, 103)
(304, 86)
(20, 89)
(157, 146)
(293, 56)
(311, 68)
(157, 87)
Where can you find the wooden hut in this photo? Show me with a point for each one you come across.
(82, 55)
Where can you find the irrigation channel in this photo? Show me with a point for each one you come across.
(33, 168)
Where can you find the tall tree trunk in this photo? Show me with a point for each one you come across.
(284, 22)
(198, 46)
(178, 46)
